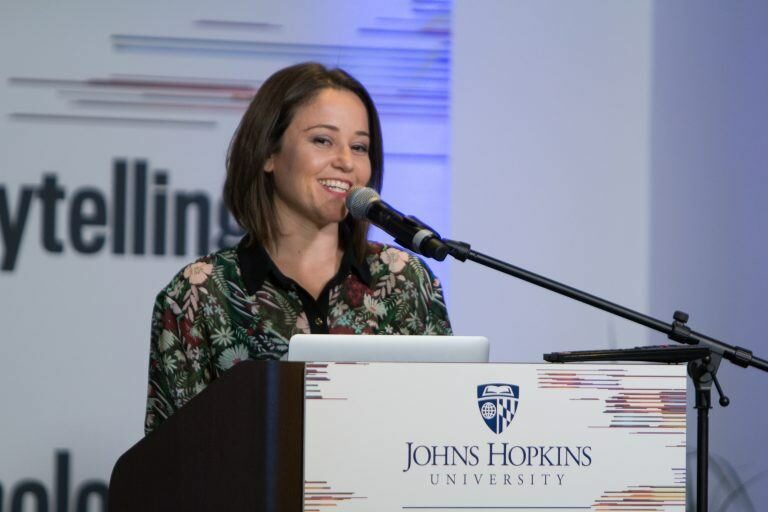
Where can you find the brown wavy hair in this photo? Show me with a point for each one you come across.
(248, 189)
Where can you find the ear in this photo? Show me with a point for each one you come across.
(269, 165)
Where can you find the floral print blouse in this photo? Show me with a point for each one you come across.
(235, 304)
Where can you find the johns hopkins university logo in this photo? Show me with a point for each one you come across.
(497, 404)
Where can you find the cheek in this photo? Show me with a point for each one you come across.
(365, 174)
(289, 170)
(286, 180)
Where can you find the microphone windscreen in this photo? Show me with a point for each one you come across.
(359, 201)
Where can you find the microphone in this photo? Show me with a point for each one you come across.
(364, 203)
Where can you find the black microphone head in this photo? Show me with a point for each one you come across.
(359, 201)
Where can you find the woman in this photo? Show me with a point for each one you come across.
(305, 266)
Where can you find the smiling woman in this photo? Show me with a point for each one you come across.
(305, 266)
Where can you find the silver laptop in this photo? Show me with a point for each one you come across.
(396, 348)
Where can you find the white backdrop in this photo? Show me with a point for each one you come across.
(574, 150)
(85, 84)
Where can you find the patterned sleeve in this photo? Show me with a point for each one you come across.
(179, 354)
(436, 311)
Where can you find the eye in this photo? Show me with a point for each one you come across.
(321, 140)
(360, 148)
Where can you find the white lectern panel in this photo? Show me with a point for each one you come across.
(383, 436)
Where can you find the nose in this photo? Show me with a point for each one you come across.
(344, 159)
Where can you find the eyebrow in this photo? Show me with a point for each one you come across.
(335, 129)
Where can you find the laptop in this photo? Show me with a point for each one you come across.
(383, 348)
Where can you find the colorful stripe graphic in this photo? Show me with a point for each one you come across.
(318, 495)
(408, 74)
(315, 375)
(631, 404)
(643, 498)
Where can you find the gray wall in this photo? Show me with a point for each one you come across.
(550, 168)
(710, 215)
(619, 147)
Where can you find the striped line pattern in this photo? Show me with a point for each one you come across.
(642, 499)
(318, 496)
(407, 79)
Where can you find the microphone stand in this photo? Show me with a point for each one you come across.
(703, 370)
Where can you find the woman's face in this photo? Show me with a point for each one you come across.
(323, 153)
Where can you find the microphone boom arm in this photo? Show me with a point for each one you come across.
(677, 331)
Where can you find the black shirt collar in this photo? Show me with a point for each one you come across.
(256, 266)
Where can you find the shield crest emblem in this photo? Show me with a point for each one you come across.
(498, 404)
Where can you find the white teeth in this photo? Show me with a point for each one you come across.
(335, 185)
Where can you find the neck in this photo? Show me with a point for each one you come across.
(306, 244)
(300, 243)
(309, 257)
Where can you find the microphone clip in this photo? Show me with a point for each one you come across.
(426, 241)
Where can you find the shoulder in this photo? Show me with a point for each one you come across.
(383, 259)
(206, 272)
(409, 287)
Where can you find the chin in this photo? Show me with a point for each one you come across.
(329, 221)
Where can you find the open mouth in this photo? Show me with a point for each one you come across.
(336, 185)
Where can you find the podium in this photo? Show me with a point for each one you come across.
(271, 436)
(238, 445)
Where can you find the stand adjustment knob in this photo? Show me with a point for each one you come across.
(681, 332)
(724, 400)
